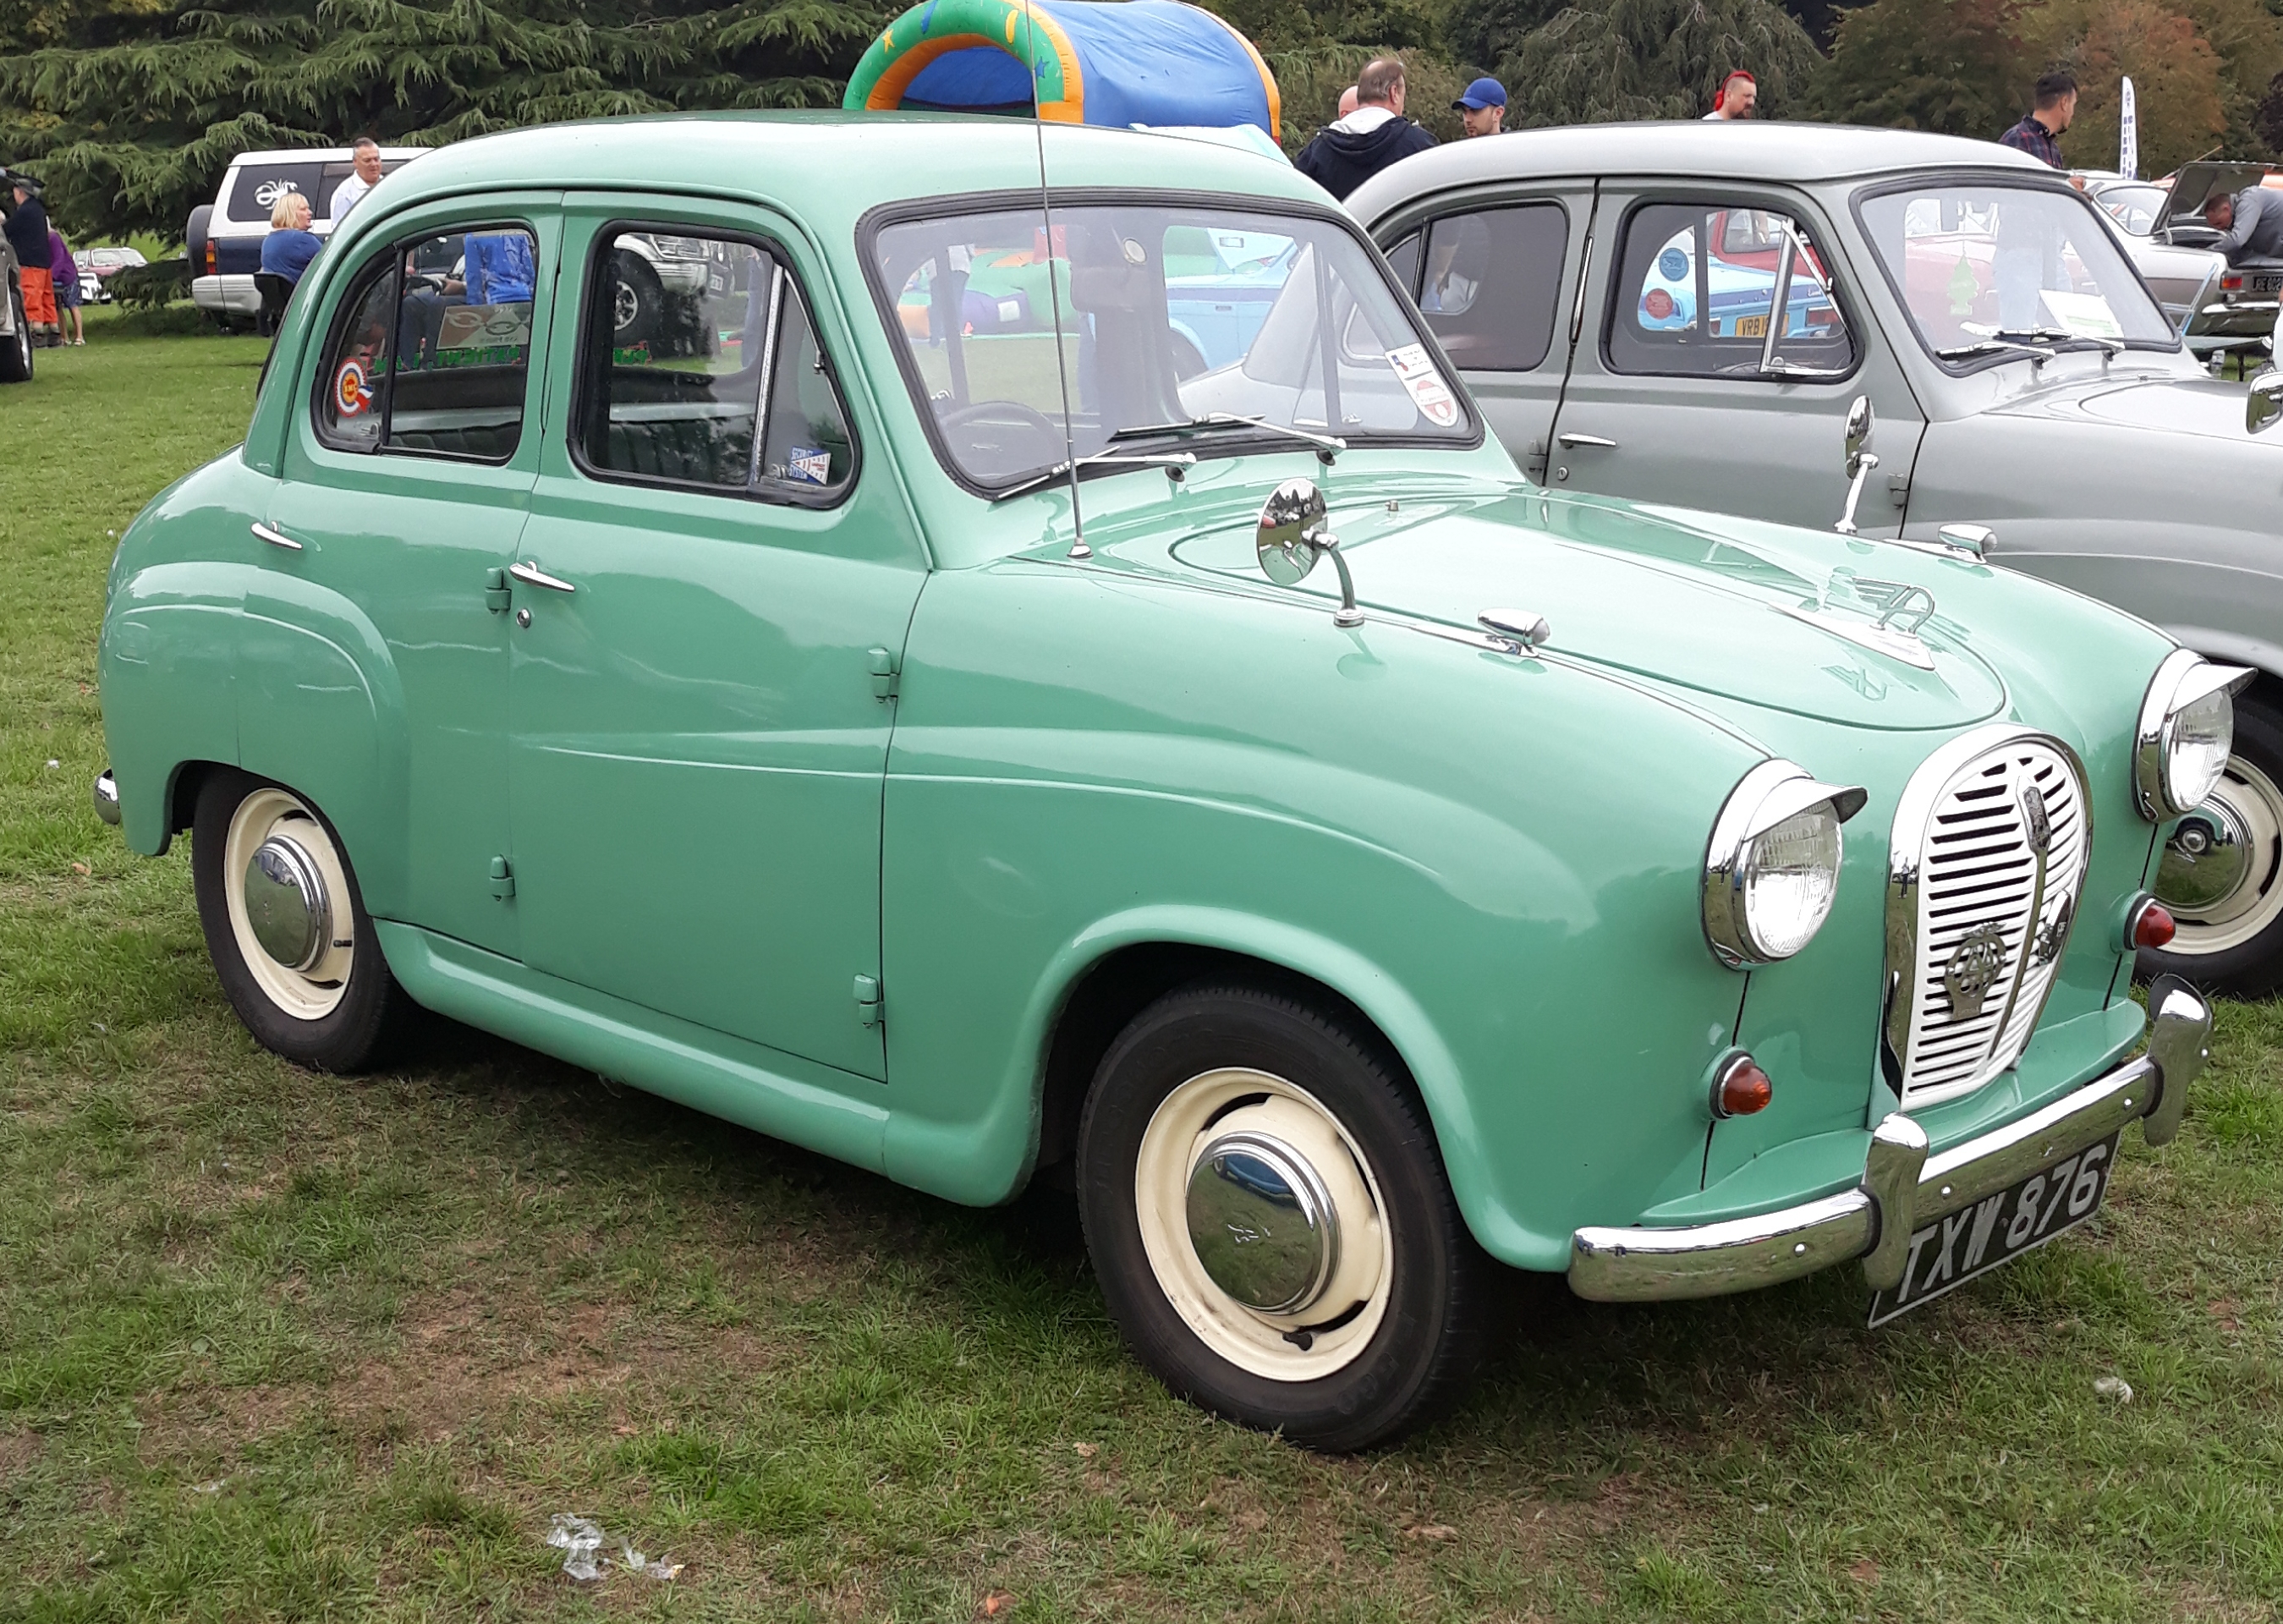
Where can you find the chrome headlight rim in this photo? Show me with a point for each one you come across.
(1771, 794)
(2184, 678)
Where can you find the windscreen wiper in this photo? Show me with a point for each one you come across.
(1326, 445)
(1995, 346)
(1099, 459)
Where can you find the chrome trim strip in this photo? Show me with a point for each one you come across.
(1609, 1265)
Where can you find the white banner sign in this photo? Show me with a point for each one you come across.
(2128, 145)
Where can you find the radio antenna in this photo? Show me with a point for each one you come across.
(1078, 548)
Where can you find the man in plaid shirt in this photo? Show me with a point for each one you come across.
(2038, 133)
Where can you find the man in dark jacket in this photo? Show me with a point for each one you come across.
(1344, 155)
(27, 234)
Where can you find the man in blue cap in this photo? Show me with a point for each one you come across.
(1481, 107)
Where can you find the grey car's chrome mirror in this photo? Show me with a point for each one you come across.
(1974, 538)
(1860, 460)
(1292, 538)
(2264, 403)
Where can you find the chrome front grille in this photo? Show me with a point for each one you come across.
(1986, 861)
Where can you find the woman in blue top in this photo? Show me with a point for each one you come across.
(290, 246)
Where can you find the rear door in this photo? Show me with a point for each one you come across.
(1680, 393)
(1496, 275)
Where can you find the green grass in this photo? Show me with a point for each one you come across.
(275, 1345)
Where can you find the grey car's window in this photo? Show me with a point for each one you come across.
(2134, 207)
(1696, 289)
(1024, 345)
(1985, 264)
(699, 367)
(1492, 281)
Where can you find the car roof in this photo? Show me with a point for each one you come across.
(324, 155)
(1741, 150)
(832, 167)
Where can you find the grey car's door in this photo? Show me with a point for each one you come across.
(1689, 387)
(1495, 273)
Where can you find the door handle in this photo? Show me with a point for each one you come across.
(277, 538)
(1571, 441)
(532, 575)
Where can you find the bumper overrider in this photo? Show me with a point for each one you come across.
(1902, 1188)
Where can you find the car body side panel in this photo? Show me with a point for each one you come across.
(1083, 760)
(2197, 552)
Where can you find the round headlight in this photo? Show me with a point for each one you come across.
(2187, 729)
(1772, 868)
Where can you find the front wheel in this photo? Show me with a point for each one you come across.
(2221, 876)
(1270, 1221)
(16, 348)
(285, 926)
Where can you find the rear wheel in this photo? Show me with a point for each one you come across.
(2221, 876)
(1270, 1221)
(285, 926)
(638, 303)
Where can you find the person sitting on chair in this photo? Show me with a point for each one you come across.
(290, 246)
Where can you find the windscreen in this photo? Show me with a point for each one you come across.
(1978, 263)
(1167, 316)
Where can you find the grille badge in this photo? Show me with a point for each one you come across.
(2052, 934)
(2036, 825)
(1975, 965)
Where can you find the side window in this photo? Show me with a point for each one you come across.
(1403, 260)
(432, 352)
(700, 368)
(1697, 291)
(1493, 283)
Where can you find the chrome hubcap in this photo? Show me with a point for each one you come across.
(286, 903)
(2207, 859)
(625, 306)
(1264, 1228)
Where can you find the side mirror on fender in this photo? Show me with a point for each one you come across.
(1292, 537)
(1860, 458)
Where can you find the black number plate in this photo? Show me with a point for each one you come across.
(1998, 1228)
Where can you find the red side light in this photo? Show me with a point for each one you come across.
(2153, 925)
(2230, 285)
(1743, 1089)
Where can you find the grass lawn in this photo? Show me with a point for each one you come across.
(275, 1345)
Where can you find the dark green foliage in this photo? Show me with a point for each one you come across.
(1606, 60)
(131, 116)
(1486, 30)
(1957, 67)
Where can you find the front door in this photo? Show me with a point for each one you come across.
(404, 494)
(1497, 279)
(1689, 387)
(717, 591)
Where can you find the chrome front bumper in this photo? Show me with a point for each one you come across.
(1902, 1188)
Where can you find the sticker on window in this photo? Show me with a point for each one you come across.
(352, 395)
(1425, 385)
(2088, 316)
(808, 466)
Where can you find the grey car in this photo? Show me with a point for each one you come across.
(1714, 316)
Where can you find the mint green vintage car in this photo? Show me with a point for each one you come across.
(953, 739)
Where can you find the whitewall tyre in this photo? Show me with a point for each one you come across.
(2220, 873)
(1270, 1221)
(285, 926)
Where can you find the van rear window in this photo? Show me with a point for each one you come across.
(255, 186)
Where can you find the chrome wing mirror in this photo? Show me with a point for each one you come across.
(1292, 538)
(2265, 404)
(1860, 458)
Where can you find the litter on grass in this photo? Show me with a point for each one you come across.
(580, 1539)
(2115, 1388)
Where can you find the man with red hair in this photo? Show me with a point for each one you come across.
(1738, 93)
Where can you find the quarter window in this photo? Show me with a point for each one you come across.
(1490, 285)
(701, 369)
(1697, 291)
(432, 349)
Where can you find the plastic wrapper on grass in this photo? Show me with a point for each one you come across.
(581, 1540)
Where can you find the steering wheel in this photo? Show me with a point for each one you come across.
(1003, 454)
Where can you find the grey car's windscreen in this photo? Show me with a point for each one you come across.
(1979, 264)
(1171, 316)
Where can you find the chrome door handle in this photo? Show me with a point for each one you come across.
(275, 539)
(532, 575)
(1571, 441)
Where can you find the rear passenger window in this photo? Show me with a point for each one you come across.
(1697, 291)
(432, 350)
(700, 368)
(1490, 285)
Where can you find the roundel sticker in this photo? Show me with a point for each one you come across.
(1424, 384)
(351, 393)
(1658, 303)
(1672, 265)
